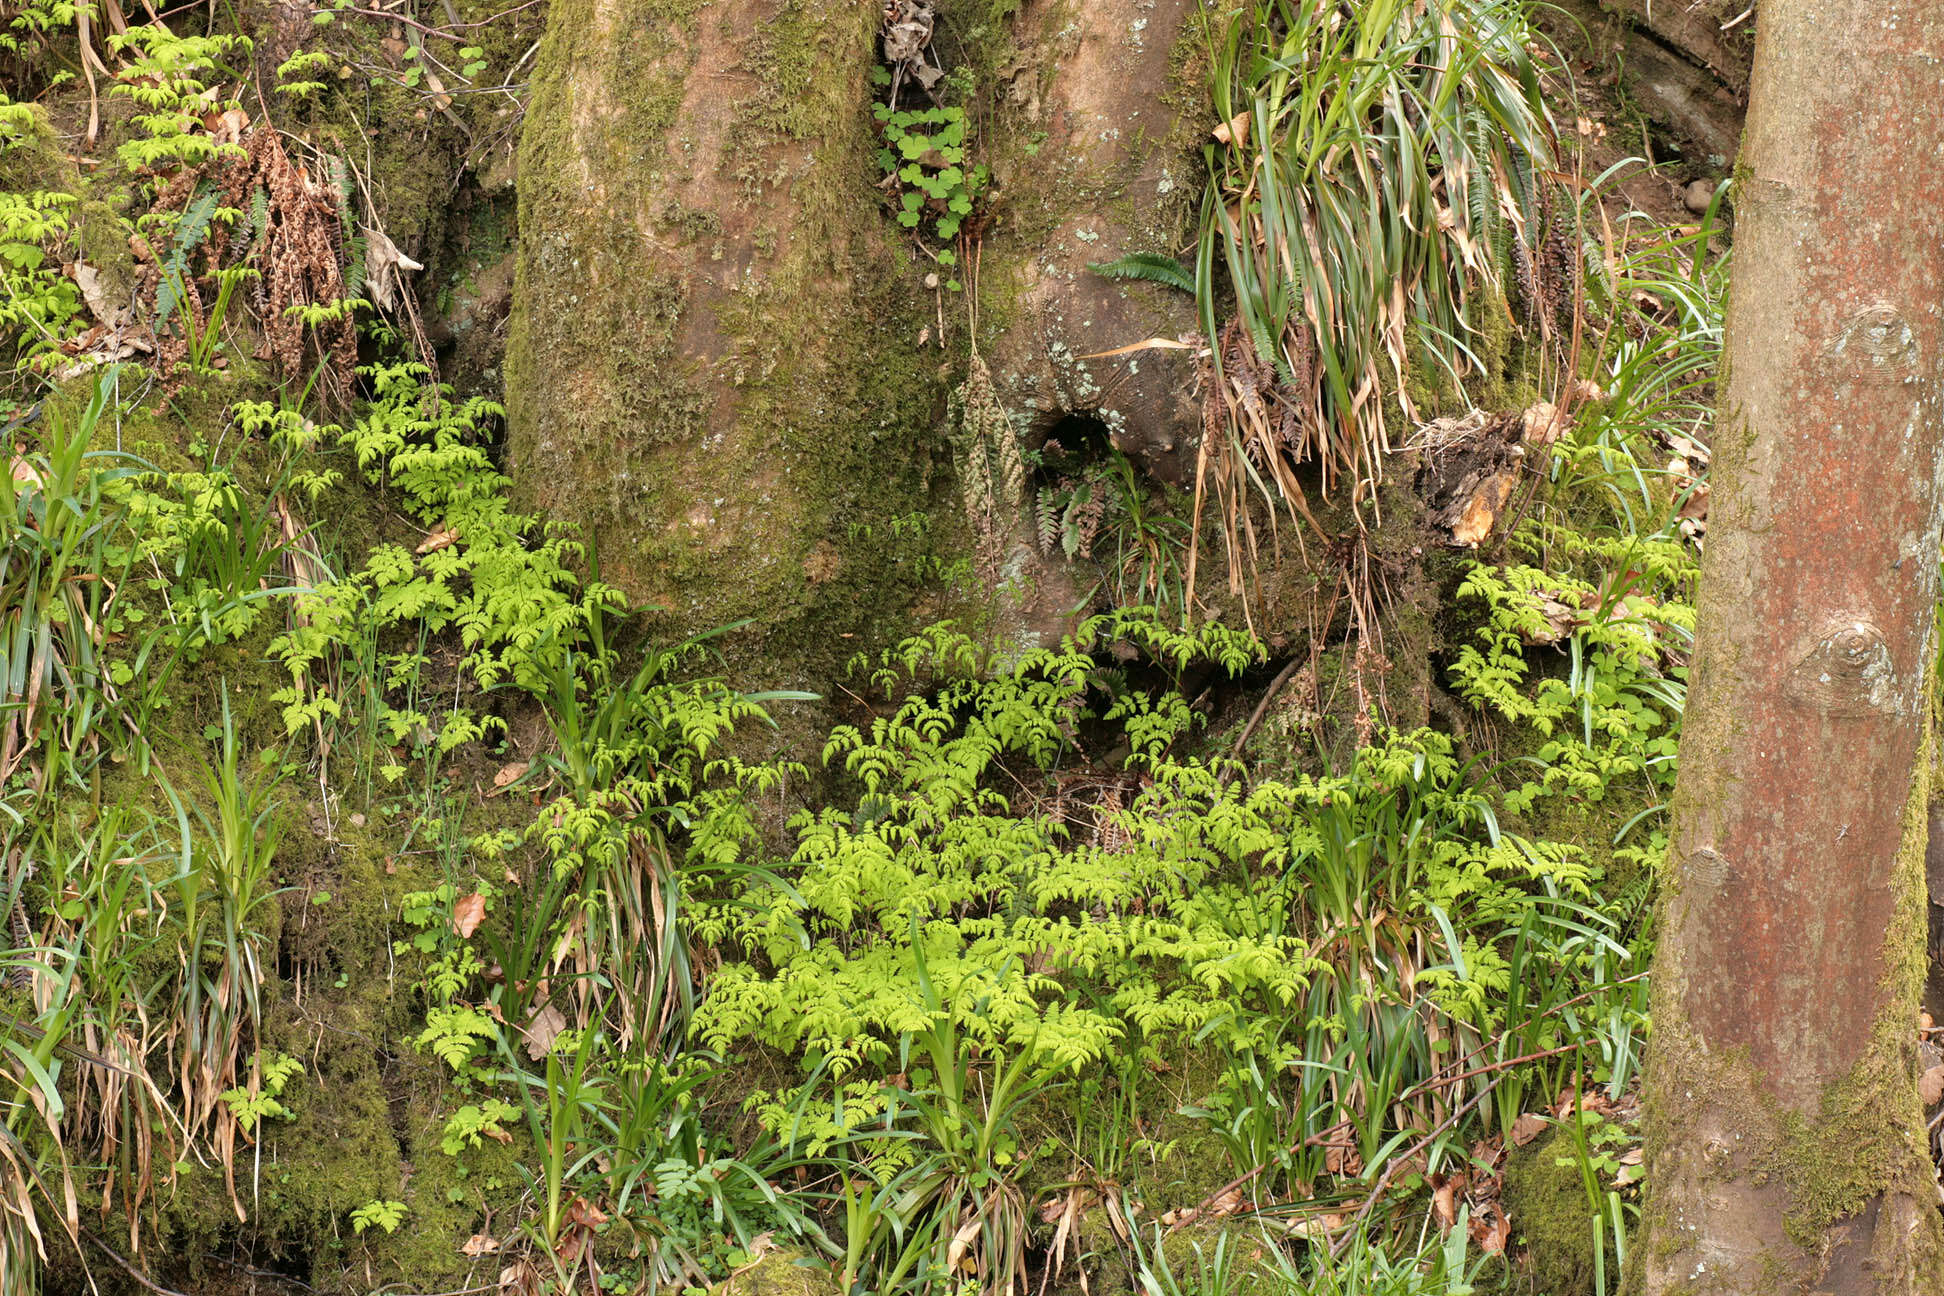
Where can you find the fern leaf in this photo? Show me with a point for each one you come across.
(1155, 267)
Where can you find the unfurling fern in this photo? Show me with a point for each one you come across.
(1155, 267)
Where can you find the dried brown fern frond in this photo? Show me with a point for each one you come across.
(290, 230)
(300, 256)
(992, 472)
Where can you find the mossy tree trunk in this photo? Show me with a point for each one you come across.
(724, 358)
(1786, 1148)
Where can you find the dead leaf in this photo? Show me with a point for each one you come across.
(1631, 1167)
(229, 126)
(438, 540)
(541, 1030)
(1145, 344)
(1490, 1229)
(1445, 1196)
(384, 265)
(1930, 1086)
(468, 914)
(480, 1244)
(521, 1278)
(955, 1253)
(94, 292)
(1234, 131)
(1228, 1203)
(1527, 1128)
(508, 773)
(1543, 424)
(1342, 1159)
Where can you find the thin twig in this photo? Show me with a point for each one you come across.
(127, 1268)
(416, 25)
(1262, 707)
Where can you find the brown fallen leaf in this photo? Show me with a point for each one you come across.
(1930, 1086)
(1228, 1203)
(521, 1278)
(542, 1029)
(1543, 423)
(1632, 1168)
(480, 1244)
(1527, 1128)
(94, 293)
(467, 914)
(1233, 131)
(1696, 504)
(1491, 1230)
(1446, 1193)
(439, 539)
(508, 773)
(1342, 1159)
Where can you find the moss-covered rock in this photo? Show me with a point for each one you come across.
(781, 1273)
(1545, 1200)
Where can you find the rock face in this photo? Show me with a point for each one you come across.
(1121, 146)
(1685, 61)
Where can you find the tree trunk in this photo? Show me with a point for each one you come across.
(1786, 1148)
(713, 363)
(725, 359)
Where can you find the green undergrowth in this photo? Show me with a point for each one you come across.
(1008, 965)
(403, 908)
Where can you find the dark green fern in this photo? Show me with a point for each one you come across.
(1154, 267)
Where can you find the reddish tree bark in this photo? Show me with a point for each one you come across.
(1785, 1140)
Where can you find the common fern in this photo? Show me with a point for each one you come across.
(1153, 267)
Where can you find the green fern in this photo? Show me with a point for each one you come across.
(1154, 267)
(190, 233)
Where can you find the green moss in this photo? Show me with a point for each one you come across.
(1868, 1139)
(1545, 1199)
(781, 1273)
(1863, 1144)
